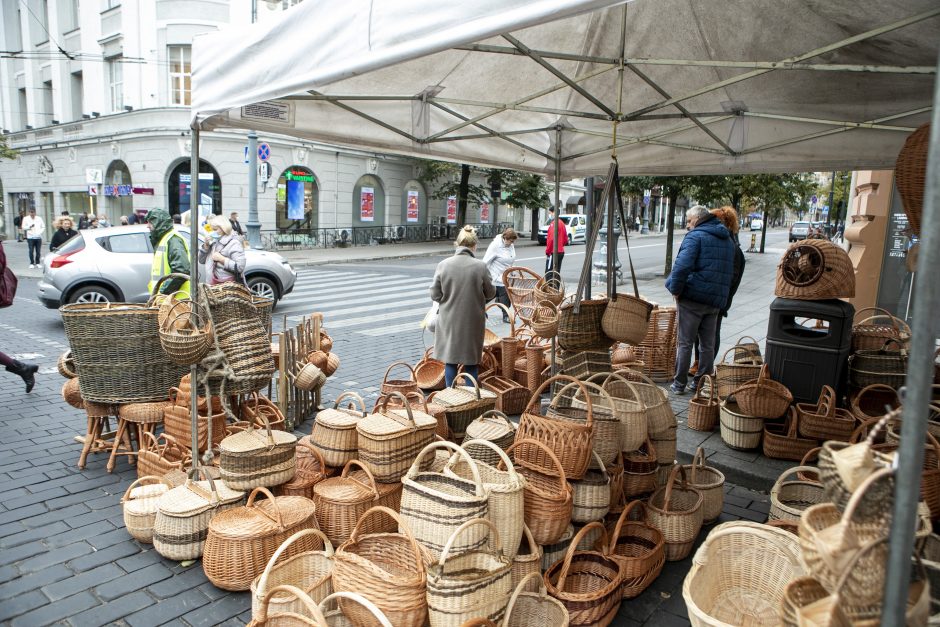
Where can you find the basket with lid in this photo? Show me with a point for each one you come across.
(495, 427)
(341, 501)
(139, 505)
(390, 439)
(310, 469)
(334, 430)
(464, 403)
(258, 458)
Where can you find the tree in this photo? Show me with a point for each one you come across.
(715, 191)
(632, 189)
(529, 191)
(772, 194)
(5, 151)
(452, 179)
(673, 187)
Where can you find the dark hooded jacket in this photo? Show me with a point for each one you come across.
(704, 268)
(176, 252)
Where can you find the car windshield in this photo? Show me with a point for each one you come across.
(800, 225)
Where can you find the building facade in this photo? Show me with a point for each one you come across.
(95, 99)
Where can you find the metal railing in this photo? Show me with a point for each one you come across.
(292, 238)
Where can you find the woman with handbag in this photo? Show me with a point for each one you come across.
(500, 255)
(461, 287)
(222, 253)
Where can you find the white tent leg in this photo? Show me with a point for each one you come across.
(194, 284)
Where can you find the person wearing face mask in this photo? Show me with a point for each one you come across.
(223, 253)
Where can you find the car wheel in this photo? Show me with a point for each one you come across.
(92, 294)
(263, 286)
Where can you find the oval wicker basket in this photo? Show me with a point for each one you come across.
(309, 571)
(545, 319)
(534, 608)
(548, 497)
(430, 372)
(782, 442)
(549, 288)
(139, 505)
(341, 501)
(763, 397)
(626, 318)
(815, 269)
(676, 510)
(72, 393)
(639, 548)
(710, 482)
(739, 431)
(703, 410)
(789, 499)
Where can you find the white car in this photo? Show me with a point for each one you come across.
(577, 228)
(757, 224)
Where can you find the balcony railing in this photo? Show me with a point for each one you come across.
(294, 239)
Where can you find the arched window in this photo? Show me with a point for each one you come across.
(368, 202)
(179, 183)
(414, 207)
(118, 198)
(298, 199)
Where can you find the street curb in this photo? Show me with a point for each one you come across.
(737, 476)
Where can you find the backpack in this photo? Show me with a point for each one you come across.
(7, 287)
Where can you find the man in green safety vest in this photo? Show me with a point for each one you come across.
(170, 254)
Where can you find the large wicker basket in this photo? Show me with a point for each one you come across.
(258, 458)
(763, 397)
(815, 269)
(676, 510)
(548, 497)
(626, 318)
(739, 431)
(309, 571)
(341, 501)
(390, 439)
(579, 325)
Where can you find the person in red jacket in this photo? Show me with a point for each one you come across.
(550, 244)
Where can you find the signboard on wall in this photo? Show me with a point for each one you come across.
(412, 207)
(451, 210)
(896, 284)
(295, 200)
(485, 213)
(367, 204)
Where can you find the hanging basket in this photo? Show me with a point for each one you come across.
(185, 337)
(626, 318)
(815, 269)
(66, 365)
(910, 174)
(549, 288)
(545, 319)
(581, 329)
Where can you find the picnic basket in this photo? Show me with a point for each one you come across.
(783, 441)
(825, 421)
(763, 397)
(139, 505)
(389, 569)
(703, 410)
(390, 439)
(548, 497)
(464, 403)
(309, 571)
(738, 430)
(710, 482)
(534, 608)
(429, 372)
(639, 548)
(789, 499)
(254, 458)
(528, 558)
(310, 469)
(241, 540)
(494, 427)
(402, 386)
(731, 375)
(470, 584)
(676, 510)
(341, 502)
(334, 430)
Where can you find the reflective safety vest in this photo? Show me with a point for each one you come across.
(161, 264)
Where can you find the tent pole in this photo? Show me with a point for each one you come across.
(557, 224)
(925, 329)
(194, 281)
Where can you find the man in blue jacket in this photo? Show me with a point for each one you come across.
(700, 282)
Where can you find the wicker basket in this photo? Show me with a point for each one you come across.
(584, 364)
(590, 495)
(710, 482)
(528, 558)
(676, 510)
(548, 496)
(257, 408)
(341, 501)
(390, 439)
(747, 351)
(842, 466)
(570, 404)
(739, 575)
(310, 470)
(490, 338)
(429, 372)
(882, 365)
(309, 571)
(534, 608)
(72, 393)
(307, 377)
(402, 386)
(185, 336)
(731, 375)
(387, 568)
(555, 551)
(588, 583)
(703, 410)
(139, 505)
(581, 329)
(156, 459)
(815, 269)
(824, 421)
(782, 442)
(66, 365)
(871, 332)
(464, 403)
(639, 548)
(549, 288)
(254, 458)
(628, 405)
(617, 498)
(626, 318)
(242, 540)
(544, 321)
(739, 431)
(910, 174)
(332, 364)
(336, 617)
(494, 427)
(210, 430)
(660, 417)
(763, 397)
(311, 615)
(318, 358)
(789, 499)
(334, 430)
(470, 584)
(569, 442)
(871, 401)
(639, 471)
(520, 287)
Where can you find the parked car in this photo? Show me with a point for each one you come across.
(576, 225)
(799, 230)
(757, 224)
(113, 264)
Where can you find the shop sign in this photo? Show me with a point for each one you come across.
(485, 213)
(118, 190)
(367, 204)
(412, 207)
(451, 210)
(146, 191)
(299, 175)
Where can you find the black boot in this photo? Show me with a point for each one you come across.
(26, 371)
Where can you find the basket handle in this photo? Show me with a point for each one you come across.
(698, 461)
(599, 390)
(149, 479)
(741, 341)
(370, 486)
(547, 304)
(624, 516)
(309, 605)
(877, 424)
(724, 357)
(464, 375)
(213, 495)
(316, 452)
(377, 613)
(494, 415)
(881, 313)
(677, 469)
(515, 593)
(382, 405)
(494, 534)
(791, 471)
(534, 547)
(503, 457)
(563, 481)
(573, 547)
(537, 396)
(350, 393)
(793, 419)
(277, 510)
(630, 374)
(512, 324)
(860, 491)
(263, 579)
(155, 440)
(616, 375)
(267, 425)
(403, 529)
(771, 534)
(827, 402)
(171, 316)
(399, 363)
(474, 469)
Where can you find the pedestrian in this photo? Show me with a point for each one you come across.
(124, 221)
(636, 223)
(34, 228)
(27, 372)
(177, 219)
(222, 253)
(132, 218)
(700, 282)
(103, 221)
(94, 223)
(461, 288)
(236, 225)
(83, 222)
(170, 254)
(18, 223)
(550, 247)
(500, 254)
(64, 233)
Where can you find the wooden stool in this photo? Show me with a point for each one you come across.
(98, 437)
(141, 418)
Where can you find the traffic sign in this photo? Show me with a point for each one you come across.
(92, 190)
(264, 152)
(813, 200)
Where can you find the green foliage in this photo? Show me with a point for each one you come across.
(775, 193)
(528, 191)
(5, 151)
(446, 179)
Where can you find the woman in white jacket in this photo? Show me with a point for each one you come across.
(500, 255)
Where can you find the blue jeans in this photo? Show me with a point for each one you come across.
(696, 322)
(450, 373)
(35, 249)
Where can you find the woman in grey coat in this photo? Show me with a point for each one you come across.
(223, 253)
(461, 288)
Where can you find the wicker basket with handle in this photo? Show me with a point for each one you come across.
(310, 571)
(710, 482)
(341, 501)
(730, 375)
(139, 505)
(640, 549)
(763, 397)
(334, 430)
(309, 614)
(210, 429)
(254, 458)
(676, 510)
(703, 410)
(639, 471)
(870, 332)
(590, 495)
(824, 421)
(336, 616)
(66, 365)
(156, 459)
(579, 324)
(660, 417)
(626, 318)
(569, 404)
(185, 336)
(390, 439)
(528, 558)
(256, 407)
(493, 426)
(739, 431)
(490, 338)
(310, 469)
(242, 540)
(548, 498)
(627, 401)
(534, 608)
(429, 372)
(789, 499)
(464, 403)
(783, 441)
(549, 288)
(402, 386)
(545, 319)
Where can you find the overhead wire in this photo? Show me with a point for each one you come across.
(42, 24)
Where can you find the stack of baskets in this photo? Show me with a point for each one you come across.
(657, 352)
(753, 408)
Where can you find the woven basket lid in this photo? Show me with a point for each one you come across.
(254, 440)
(394, 422)
(185, 501)
(251, 522)
(144, 499)
(489, 428)
(339, 418)
(461, 395)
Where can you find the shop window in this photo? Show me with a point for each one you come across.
(368, 202)
(179, 184)
(116, 198)
(297, 200)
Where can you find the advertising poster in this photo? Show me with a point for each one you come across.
(451, 210)
(295, 200)
(412, 213)
(367, 204)
(485, 213)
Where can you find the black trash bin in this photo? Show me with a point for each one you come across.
(808, 345)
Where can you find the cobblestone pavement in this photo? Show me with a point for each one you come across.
(64, 555)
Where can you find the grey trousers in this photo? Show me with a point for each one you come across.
(696, 322)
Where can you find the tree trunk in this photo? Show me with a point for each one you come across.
(736, 202)
(462, 193)
(670, 228)
(535, 224)
(763, 231)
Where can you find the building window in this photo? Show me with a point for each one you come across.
(116, 84)
(110, 4)
(77, 89)
(24, 116)
(69, 15)
(47, 105)
(297, 196)
(210, 189)
(180, 73)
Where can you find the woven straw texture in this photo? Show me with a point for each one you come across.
(639, 548)
(676, 510)
(528, 559)
(156, 458)
(334, 430)
(429, 372)
(390, 439)
(464, 403)
(824, 421)
(258, 458)
(534, 608)
(815, 269)
(341, 502)
(569, 404)
(582, 330)
(910, 172)
(739, 431)
(626, 318)
(763, 397)
(310, 469)
(590, 495)
(139, 505)
(548, 498)
(782, 441)
(703, 410)
(789, 499)
(309, 571)
(730, 375)
(710, 482)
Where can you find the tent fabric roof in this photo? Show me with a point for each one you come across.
(697, 86)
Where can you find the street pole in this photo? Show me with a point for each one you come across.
(832, 188)
(591, 215)
(557, 224)
(194, 281)
(254, 226)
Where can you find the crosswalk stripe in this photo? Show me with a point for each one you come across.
(389, 330)
(301, 288)
(308, 279)
(331, 295)
(337, 313)
(385, 315)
